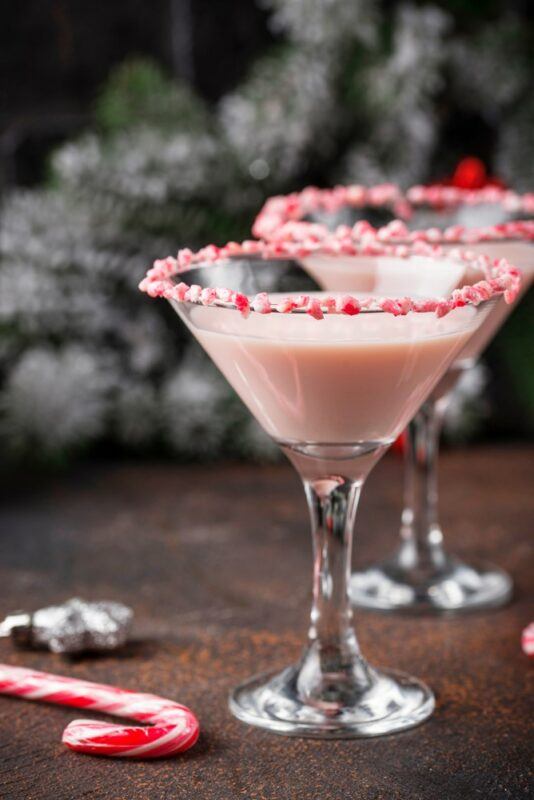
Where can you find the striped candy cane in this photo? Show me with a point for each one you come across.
(172, 727)
(527, 640)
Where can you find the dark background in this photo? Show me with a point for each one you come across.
(56, 55)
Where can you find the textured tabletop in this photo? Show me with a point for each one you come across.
(216, 563)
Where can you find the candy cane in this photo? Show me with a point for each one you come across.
(173, 727)
(527, 640)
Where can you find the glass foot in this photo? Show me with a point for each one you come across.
(389, 702)
(454, 587)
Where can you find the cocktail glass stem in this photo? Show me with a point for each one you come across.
(421, 535)
(332, 691)
(421, 576)
(332, 663)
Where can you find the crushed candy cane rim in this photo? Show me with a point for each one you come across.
(398, 232)
(500, 278)
(438, 196)
(282, 217)
(292, 208)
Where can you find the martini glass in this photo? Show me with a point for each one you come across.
(420, 576)
(333, 392)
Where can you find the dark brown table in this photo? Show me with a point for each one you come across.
(216, 563)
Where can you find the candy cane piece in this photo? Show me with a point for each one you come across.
(527, 640)
(172, 728)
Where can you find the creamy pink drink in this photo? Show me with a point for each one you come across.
(383, 275)
(343, 380)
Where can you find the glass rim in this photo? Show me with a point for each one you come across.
(282, 216)
(164, 279)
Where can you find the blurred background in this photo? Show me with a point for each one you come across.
(128, 129)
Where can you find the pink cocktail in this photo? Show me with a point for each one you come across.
(420, 576)
(333, 379)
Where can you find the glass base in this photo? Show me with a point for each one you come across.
(451, 588)
(390, 702)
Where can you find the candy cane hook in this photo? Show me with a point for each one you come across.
(172, 727)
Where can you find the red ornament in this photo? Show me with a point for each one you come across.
(471, 173)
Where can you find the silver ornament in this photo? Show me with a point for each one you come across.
(76, 626)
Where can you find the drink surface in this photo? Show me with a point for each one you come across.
(340, 380)
(387, 276)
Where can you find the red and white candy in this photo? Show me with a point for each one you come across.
(282, 218)
(527, 640)
(172, 728)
